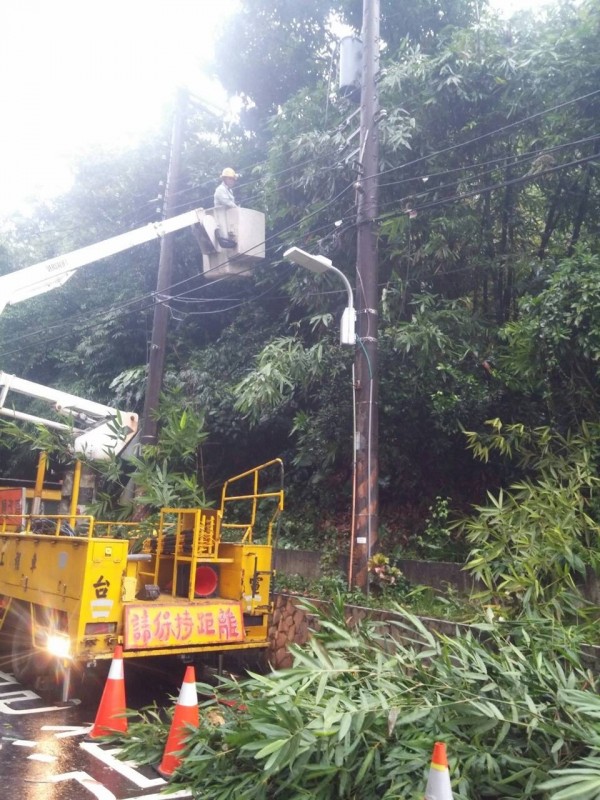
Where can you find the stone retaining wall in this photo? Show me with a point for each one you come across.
(291, 624)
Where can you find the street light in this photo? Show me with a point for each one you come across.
(321, 264)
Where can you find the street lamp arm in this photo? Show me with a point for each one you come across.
(346, 284)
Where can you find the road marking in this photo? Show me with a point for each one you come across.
(94, 786)
(63, 731)
(108, 756)
(162, 796)
(7, 698)
(45, 757)
(7, 679)
(123, 768)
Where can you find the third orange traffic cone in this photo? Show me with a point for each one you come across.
(438, 782)
(110, 717)
(186, 716)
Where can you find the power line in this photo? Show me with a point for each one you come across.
(148, 296)
(484, 189)
(423, 207)
(479, 138)
(427, 157)
(516, 161)
(416, 208)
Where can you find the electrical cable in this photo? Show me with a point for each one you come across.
(517, 161)
(450, 148)
(460, 196)
(151, 295)
(186, 280)
(239, 304)
(484, 189)
(482, 136)
(433, 204)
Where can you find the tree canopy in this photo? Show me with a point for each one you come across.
(488, 254)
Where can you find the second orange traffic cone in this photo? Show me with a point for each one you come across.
(110, 717)
(186, 716)
(438, 782)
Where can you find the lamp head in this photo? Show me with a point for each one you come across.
(318, 264)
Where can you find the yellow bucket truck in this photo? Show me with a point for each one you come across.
(72, 587)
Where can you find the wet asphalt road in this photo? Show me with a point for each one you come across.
(44, 754)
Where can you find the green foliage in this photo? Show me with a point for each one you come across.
(358, 713)
(148, 730)
(36, 438)
(281, 366)
(268, 50)
(382, 574)
(534, 545)
(432, 385)
(181, 431)
(581, 781)
(554, 345)
(437, 542)
(165, 474)
(469, 222)
(386, 592)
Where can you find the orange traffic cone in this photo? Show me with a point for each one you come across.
(186, 715)
(111, 711)
(438, 782)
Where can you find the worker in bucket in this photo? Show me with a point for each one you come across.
(224, 200)
(224, 191)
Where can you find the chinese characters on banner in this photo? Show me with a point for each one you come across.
(172, 626)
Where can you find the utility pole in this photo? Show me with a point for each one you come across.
(365, 520)
(158, 346)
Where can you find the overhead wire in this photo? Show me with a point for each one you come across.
(506, 160)
(531, 176)
(454, 147)
(482, 136)
(429, 156)
(170, 298)
(148, 296)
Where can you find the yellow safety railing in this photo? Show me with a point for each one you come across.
(252, 500)
(82, 525)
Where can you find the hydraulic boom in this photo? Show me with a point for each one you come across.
(39, 278)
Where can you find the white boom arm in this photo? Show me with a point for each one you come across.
(95, 435)
(39, 278)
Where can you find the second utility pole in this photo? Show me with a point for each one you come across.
(158, 345)
(366, 511)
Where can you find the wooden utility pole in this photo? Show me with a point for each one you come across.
(366, 505)
(158, 346)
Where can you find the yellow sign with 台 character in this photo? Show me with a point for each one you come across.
(178, 626)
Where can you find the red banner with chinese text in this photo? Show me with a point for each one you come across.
(150, 626)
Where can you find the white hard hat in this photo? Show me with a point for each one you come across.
(228, 173)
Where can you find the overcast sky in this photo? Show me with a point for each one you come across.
(79, 72)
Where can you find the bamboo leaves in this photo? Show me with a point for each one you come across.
(356, 716)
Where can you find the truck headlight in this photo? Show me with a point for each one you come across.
(59, 646)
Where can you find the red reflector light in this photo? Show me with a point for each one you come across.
(98, 628)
